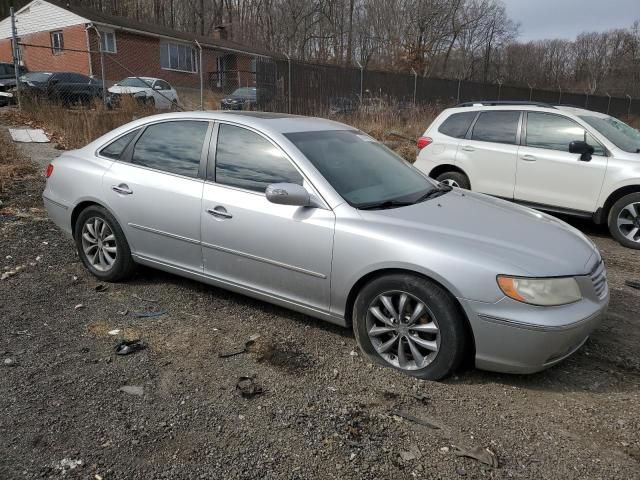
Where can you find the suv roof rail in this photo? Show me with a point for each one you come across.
(491, 103)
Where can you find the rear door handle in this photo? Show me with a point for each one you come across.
(468, 148)
(122, 189)
(528, 158)
(219, 212)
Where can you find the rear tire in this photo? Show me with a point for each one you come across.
(102, 246)
(430, 344)
(624, 221)
(455, 179)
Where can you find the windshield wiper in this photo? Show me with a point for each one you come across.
(383, 205)
(441, 189)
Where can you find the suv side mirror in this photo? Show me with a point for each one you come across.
(583, 148)
(288, 194)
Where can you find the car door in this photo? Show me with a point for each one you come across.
(548, 174)
(280, 250)
(160, 95)
(155, 191)
(489, 152)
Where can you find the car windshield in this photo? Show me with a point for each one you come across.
(134, 82)
(244, 92)
(363, 171)
(37, 77)
(622, 135)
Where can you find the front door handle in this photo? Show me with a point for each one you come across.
(219, 212)
(122, 189)
(468, 148)
(528, 158)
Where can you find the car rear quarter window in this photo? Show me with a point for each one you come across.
(173, 147)
(116, 148)
(457, 125)
(246, 160)
(496, 127)
(555, 132)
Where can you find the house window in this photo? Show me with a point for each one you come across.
(108, 42)
(57, 42)
(176, 56)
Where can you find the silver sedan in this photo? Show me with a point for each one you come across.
(318, 217)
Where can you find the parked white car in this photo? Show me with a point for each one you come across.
(561, 159)
(154, 92)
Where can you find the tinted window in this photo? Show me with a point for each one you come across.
(173, 147)
(361, 170)
(556, 133)
(116, 148)
(246, 160)
(457, 124)
(497, 127)
(70, 78)
(163, 85)
(622, 135)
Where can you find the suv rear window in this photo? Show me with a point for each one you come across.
(496, 127)
(457, 125)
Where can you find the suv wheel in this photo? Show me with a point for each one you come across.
(455, 179)
(411, 324)
(102, 245)
(624, 221)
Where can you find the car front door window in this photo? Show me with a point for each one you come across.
(555, 132)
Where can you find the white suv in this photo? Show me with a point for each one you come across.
(560, 159)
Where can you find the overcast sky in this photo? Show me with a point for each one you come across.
(567, 18)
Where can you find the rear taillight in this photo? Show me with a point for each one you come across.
(49, 170)
(424, 142)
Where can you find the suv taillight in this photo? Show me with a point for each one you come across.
(49, 170)
(424, 142)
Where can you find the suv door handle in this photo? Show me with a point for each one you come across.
(219, 212)
(468, 148)
(122, 189)
(528, 158)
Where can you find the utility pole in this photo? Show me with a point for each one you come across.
(16, 54)
(415, 85)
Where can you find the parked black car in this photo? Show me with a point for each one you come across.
(8, 82)
(244, 98)
(67, 88)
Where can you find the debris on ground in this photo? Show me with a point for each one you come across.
(420, 421)
(252, 339)
(132, 390)
(144, 299)
(483, 455)
(248, 388)
(67, 464)
(114, 332)
(412, 454)
(9, 362)
(126, 347)
(101, 287)
(633, 284)
(79, 306)
(150, 314)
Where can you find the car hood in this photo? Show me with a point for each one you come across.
(127, 90)
(237, 97)
(530, 242)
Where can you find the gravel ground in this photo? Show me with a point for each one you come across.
(319, 409)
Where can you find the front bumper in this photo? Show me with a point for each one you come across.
(512, 337)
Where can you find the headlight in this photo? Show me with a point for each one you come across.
(541, 291)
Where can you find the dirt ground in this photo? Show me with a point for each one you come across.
(323, 411)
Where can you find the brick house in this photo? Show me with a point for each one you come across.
(55, 37)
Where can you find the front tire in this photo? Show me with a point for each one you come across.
(455, 179)
(624, 221)
(411, 324)
(102, 246)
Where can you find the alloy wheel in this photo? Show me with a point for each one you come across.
(403, 330)
(628, 222)
(450, 182)
(99, 244)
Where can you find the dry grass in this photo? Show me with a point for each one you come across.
(12, 163)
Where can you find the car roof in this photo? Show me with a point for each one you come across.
(146, 78)
(535, 107)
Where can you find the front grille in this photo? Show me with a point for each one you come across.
(599, 279)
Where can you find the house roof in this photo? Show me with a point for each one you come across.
(124, 23)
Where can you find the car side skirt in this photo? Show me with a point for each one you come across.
(553, 209)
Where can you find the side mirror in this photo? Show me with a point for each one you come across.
(582, 148)
(288, 194)
(158, 87)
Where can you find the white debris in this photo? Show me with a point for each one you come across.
(28, 135)
(114, 332)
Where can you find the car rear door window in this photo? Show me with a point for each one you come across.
(496, 127)
(116, 148)
(174, 147)
(555, 132)
(246, 160)
(458, 124)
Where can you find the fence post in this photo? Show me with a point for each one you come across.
(499, 88)
(16, 53)
(415, 85)
(586, 102)
(458, 97)
(201, 76)
(289, 82)
(361, 80)
(104, 84)
(530, 91)
(560, 97)
(608, 103)
(629, 108)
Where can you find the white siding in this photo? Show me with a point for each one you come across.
(40, 16)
